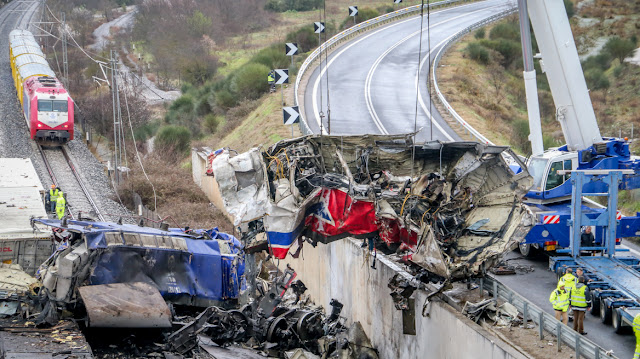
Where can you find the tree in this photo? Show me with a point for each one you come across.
(199, 23)
(619, 48)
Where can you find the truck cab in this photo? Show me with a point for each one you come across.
(548, 184)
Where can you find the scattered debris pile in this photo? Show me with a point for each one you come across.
(502, 315)
(451, 208)
(275, 324)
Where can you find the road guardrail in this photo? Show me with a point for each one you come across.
(582, 346)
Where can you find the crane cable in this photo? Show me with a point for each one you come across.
(415, 118)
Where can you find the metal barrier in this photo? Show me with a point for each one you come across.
(436, 60)
(581, 345)
(347, 35)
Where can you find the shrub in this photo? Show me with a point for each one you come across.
(601, 61)
(510, 51)
(211, 123)
(304, 37)
(272, 57)
(505, 30)
(617, 72)
(250, 81)
(480, 34)
(225, 99)
(173, 139)
(619, 48)
(478, 53)
(287, 5)
(568, 5)
(521, 135)
(364, 14)
(596, 79)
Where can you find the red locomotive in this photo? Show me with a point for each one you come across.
(47, 106)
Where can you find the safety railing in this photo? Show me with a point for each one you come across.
(465, 125)
(582, 346)
(347, 35)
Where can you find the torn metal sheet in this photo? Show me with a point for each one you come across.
(197, 268)
(125, 305)
(452, 208)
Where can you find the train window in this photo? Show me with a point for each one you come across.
(45, 105)
(60, 106)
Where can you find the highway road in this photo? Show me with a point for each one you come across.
(536, 286)
(372, 90)
(373, 78)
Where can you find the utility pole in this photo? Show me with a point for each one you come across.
(116, 122)
(65, 63)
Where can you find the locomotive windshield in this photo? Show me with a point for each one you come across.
(55, 105)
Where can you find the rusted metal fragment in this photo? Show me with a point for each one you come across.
(125, 305)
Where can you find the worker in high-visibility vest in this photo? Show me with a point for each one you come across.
(568, 279)
(580, 303)
(559, 298)
(636, 331)
(61, 204)
(270, 78)
(53, 197)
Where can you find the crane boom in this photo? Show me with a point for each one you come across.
(561, 63)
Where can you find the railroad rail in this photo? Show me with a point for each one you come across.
(67, 184)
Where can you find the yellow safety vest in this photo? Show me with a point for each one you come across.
(270, 78)
(578, 297)
(569, 281)
(60, 204)
(53, 195)
(636, 330)
(560, 300)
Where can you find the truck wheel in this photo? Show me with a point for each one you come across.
(595, 304)
(527, 250)
(616, 321)
(605, 313)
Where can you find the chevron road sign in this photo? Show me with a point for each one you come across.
(282, 76)
(397, 1)
(318, 27)
(353, 10)
(290, 115)
(291, 49)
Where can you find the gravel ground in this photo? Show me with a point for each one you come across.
(14, 133)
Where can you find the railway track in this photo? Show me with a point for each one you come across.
(64, 175)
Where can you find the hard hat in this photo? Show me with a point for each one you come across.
(53, 186)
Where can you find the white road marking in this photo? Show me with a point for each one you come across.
(324, 70)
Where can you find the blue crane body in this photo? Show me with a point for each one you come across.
(585, 148)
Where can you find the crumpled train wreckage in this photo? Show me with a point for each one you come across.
(186, 284)
(451, 208)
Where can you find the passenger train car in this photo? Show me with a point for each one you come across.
(47, 106)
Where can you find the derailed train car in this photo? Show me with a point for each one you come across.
(451, 208)
(199, 268)
(46, 105)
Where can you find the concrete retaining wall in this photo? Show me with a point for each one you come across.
(340, 270)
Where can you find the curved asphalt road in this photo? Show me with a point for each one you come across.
(372, 88)
(372, 79)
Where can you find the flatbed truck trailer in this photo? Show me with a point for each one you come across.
(613, 281)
